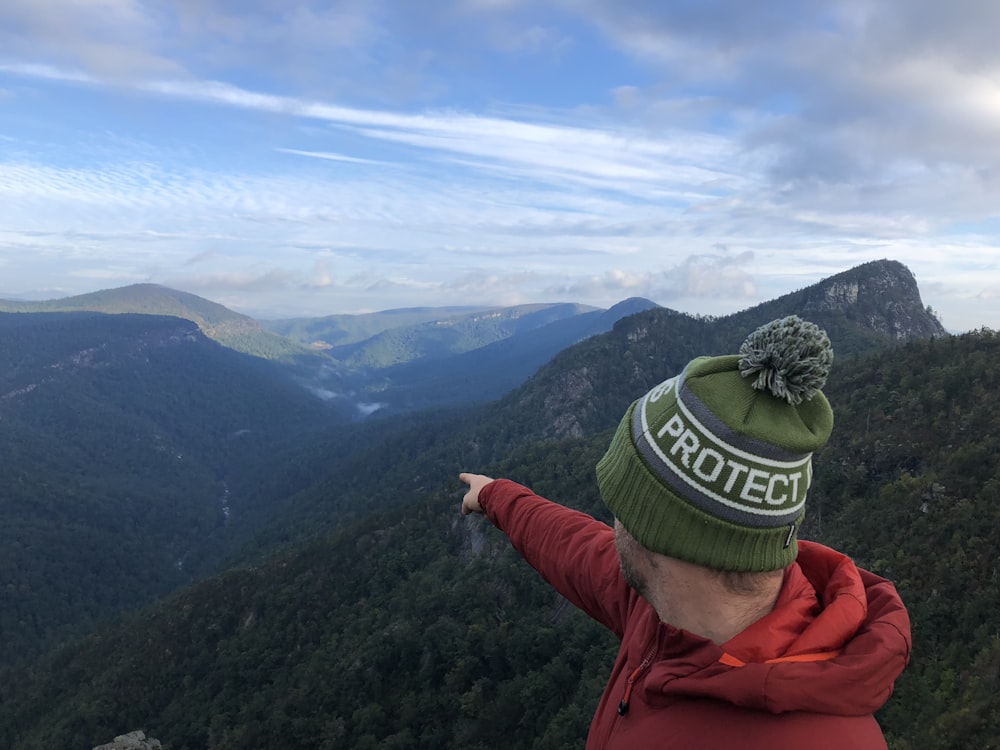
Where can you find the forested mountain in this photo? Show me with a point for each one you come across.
(414, 360)
(328, 331)
(121, 436)
(369, 613)
(584, 390)
(239, 332)
(487, 371)
(449, 332)
(587, 387)
(133, 450)
(421, 628)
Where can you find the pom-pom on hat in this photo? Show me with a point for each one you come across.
(713, 465)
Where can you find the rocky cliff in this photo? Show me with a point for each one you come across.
(132, 741)
(882, 296)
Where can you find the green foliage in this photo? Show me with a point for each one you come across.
(123, 438)
(911, 489)
(395, 633)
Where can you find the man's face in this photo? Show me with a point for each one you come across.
(631, 558)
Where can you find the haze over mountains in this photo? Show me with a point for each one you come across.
(396, 360)
(326, 592)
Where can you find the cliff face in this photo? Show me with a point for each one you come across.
(881, 296)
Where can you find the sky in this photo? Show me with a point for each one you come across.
(292, 158)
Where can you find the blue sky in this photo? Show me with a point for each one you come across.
(296, 158)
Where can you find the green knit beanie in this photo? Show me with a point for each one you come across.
(713, 465)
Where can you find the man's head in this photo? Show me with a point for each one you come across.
(713, 466)
(651, 573)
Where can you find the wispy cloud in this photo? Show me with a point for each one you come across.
(329, 156)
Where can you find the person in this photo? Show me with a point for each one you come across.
(734, 633)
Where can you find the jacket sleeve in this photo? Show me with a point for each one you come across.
(572, 551)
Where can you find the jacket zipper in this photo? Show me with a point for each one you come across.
(630, 683)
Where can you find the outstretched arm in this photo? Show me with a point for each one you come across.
(573, 552)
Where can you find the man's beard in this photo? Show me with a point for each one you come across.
(629, 554)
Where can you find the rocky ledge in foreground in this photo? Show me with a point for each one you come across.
(131, 741)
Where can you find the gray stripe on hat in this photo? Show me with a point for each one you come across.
(726, 434)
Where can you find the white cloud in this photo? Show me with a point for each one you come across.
(798, 138)
(697, 276)
(842, 90)
(110, 38)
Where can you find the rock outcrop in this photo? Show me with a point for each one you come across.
(881, 296)
(136, 740)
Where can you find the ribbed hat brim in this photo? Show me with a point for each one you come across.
(666, 523)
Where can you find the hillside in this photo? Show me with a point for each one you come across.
(338, 642)
(329, 331)
(452, 334)
(229, 328)
(498, 354)
(455, 358)
(121, 437)
(582, 391)
(587, 387)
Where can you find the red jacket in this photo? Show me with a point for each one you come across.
(808, 675)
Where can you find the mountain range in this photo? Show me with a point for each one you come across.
(340, 600)
(394, 360)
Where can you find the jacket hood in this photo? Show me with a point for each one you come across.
(835, 643)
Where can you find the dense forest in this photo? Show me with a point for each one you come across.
(121, 437)
(416, 627)
(338, 598)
